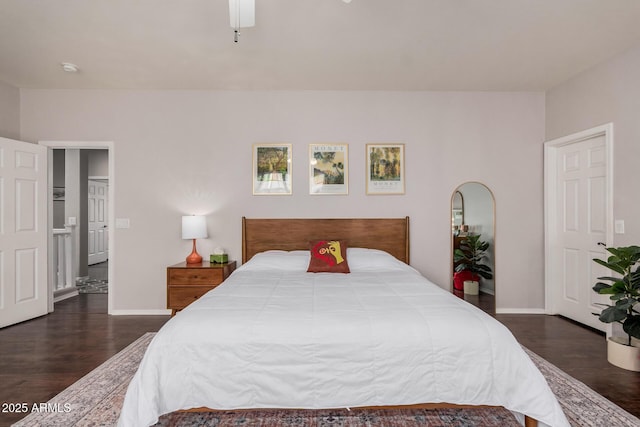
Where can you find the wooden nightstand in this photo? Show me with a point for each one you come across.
(187, 283)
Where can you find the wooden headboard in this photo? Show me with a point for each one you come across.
(289, 234)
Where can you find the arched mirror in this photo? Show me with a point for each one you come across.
(473, 244)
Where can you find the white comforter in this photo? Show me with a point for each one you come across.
(274, 336)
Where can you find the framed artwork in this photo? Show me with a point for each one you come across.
(272, 169)
(385, 169)
(328, 169)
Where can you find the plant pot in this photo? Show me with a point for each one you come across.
(623, 356)
(459, 277)
(471, 287)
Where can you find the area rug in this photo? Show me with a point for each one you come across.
(88, 285)
(96, 399)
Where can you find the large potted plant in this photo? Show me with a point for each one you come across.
(469, 263)
(624, 292)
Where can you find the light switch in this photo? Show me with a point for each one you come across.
(619, 226)
(122, 222)
(72, 221)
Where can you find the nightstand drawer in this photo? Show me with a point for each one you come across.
(180, 297)
(195, 276)
(186, 283)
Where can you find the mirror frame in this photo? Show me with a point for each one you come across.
(453, 198)
(451, 244)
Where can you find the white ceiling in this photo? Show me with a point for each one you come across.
(465, 45)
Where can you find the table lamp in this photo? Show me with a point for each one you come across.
(194, 227)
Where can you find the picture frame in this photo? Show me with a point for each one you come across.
(328, 169)
(272, 167)
(385, 169)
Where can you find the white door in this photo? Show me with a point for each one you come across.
(97, 222)
(578, 222)
(23, 231)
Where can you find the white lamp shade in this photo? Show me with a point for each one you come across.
(242, 13)
(194, 227)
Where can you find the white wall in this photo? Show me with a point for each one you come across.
(183, 152)
(607, 93)
(9, 111)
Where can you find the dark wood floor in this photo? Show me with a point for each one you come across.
(484, 301)
(41, 357)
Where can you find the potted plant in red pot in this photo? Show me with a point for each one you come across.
(469, 258)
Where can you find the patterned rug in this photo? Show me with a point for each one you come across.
(87, 285)
(96, 399)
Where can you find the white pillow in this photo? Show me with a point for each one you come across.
(359, 259)
(363, 259)
(279, 260)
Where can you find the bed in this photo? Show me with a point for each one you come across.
(276, 336)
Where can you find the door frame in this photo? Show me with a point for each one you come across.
(87, 145)
(550, 200)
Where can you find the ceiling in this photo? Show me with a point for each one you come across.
(462, 45)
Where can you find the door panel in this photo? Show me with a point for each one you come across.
(571, 275)
(23, 231)
(581, 209)
(97, 222)
(26, 265)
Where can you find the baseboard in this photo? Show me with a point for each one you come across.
(521, 311)
(157, 312)
(63, 294)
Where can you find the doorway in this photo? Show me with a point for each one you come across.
(578, 218)
(108, 173)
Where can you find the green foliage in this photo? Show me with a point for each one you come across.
(272, 159)
(330, 166)
(624, 291)
(385, 164)
(470, 256)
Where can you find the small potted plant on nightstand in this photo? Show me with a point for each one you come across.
(624, 292)
(469, 267)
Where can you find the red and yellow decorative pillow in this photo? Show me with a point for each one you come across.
(328, 256)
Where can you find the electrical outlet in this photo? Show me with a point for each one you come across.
(122, 223)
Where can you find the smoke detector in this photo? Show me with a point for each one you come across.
(69, 67)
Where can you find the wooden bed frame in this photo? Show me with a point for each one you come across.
(388, 234)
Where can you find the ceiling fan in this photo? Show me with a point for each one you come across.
(242, 14)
